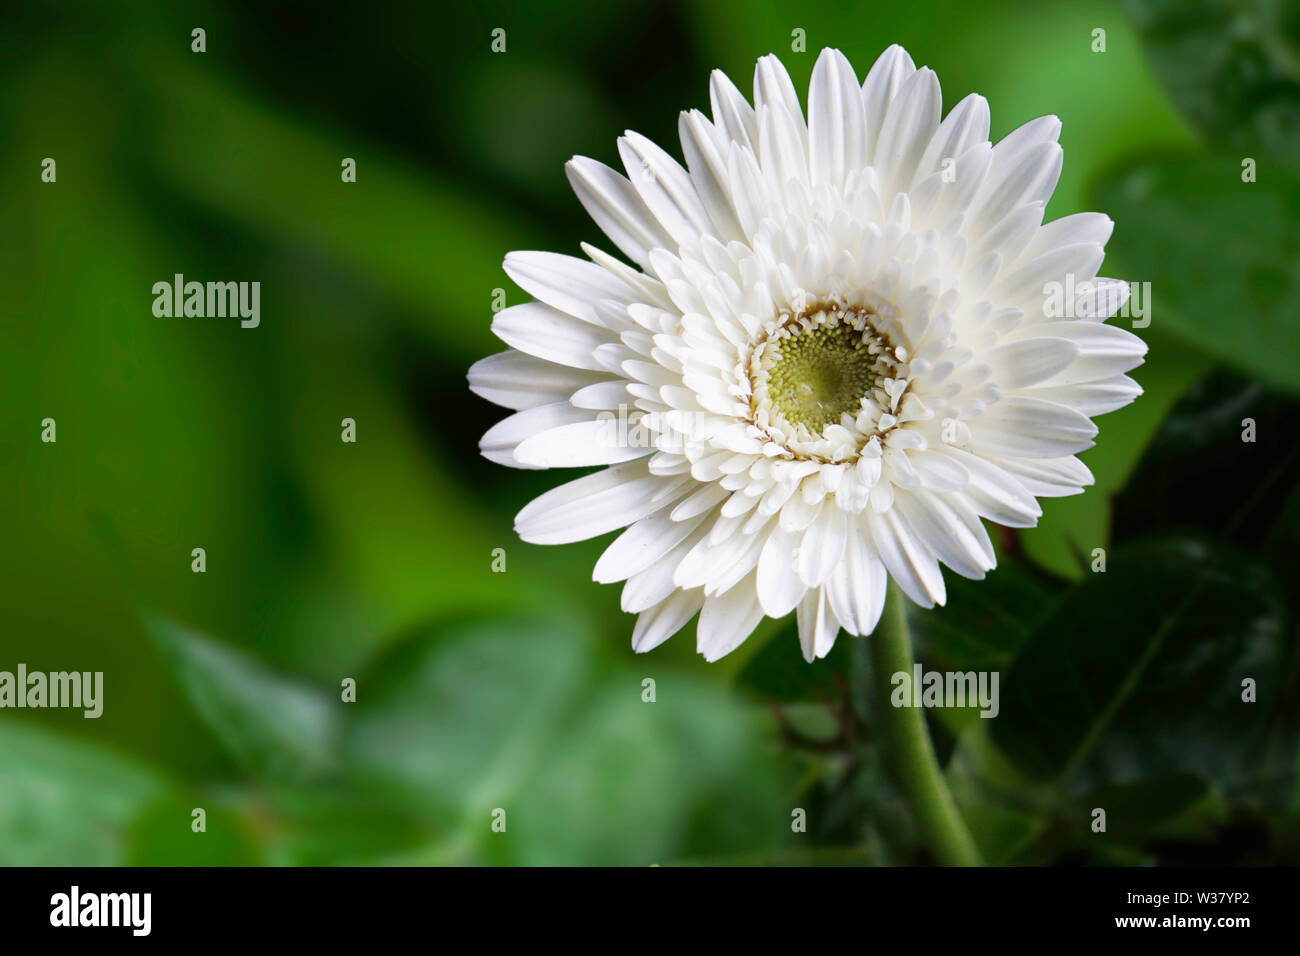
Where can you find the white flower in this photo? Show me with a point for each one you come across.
(845, 342)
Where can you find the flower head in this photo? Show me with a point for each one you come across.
(845, 341)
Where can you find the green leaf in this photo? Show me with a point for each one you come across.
(1233, 68)
(1284, 545)
(163, 835)
(984, 623)
(1136, 808)
(778, 671)
(511, 721)
(604, 796)
(274, 727)
(1139, 670)
(1222, 257)
(1004, 811)
(336, 824)
(1201, 445)
(457, 717)
(67, 803)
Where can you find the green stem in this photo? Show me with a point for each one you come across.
(909, 744)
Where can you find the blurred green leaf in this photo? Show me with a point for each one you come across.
(1004, 811)
(984, 623)
(778, 671)
(67, 803)
(1135, 808)
(457, 718)
(1285, 545)
(598, 799)
(1140, 669)
(403, 532)
(1201, 445)
(426, 242)
(275, 727)
(163, 835)
(503, 102)
(335, 824)
(510, 715)
(1232, 67)
(1222, 257)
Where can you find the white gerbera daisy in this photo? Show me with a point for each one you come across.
(846, 341)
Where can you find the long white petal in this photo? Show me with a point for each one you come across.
(727, 619)
(596, 504)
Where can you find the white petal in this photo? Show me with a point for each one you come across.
(1031, 428)
(552, 335)
(1031, 286)
(727, 620)
(581, 445)
(500, 442)
(940, 198)
(640, 546)
(664, 187)
(1048, 477)
(708, 168)
(601, 396)
(662, 621)
(1012, 148)
(779, 587)
(836, 120)
(950, 529)
(596, 504)
(996, 494)
(516, 380)
(702, 499)
(713, 557)
(910, 563)
(1091, 398)
(938, 470)
(569, 284)
(818, 626)
(966, 125)
(884, 80)
(909, 126)
(647, 588)
(782, 152)
(1027, 362)
(749, 192)
(1010, 236)
(616, 208)
(773, 87)
(1092, 227)
(732, 112)
(1031, 178)
(1105, 351)
(856, 591)
(744, 563)
(822, 547)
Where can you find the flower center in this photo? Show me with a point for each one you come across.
(817, 367)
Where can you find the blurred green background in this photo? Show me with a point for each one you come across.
(373, 561)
